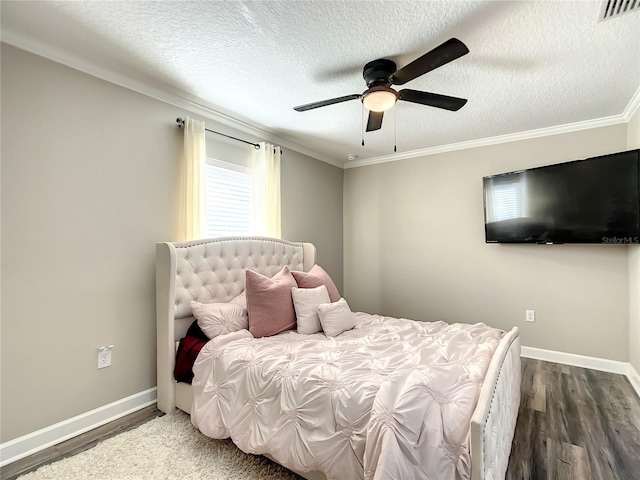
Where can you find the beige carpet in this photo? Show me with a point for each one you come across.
(167, 447)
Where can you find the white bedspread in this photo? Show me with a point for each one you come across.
(391, 399)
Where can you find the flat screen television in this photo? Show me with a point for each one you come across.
(596, 200)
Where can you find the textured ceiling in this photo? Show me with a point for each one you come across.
(532, 64)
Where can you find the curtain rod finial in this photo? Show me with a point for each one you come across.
(180, 122)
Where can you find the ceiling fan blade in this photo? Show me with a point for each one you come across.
(441, 55)
(432, 99)
(375, 121)
(324, 103)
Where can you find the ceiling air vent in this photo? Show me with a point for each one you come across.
(615, 8)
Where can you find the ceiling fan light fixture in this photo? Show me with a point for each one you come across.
(380, 100)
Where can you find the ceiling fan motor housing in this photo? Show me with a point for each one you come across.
(378, 72)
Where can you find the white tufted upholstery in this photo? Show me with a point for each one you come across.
(494, 420)
(209, 271)
(213, 270)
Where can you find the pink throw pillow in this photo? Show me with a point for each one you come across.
(269, 303)
(314, 278)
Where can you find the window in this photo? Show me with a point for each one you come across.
(506, 202)
(507, 198)
(229, 199)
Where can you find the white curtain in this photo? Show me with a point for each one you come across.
(265, 168)
(192, 213)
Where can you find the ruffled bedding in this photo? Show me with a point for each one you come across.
(390, 399)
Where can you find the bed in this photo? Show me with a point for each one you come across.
(213, 271)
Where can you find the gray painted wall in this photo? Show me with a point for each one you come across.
(414, 247)
(88, 186)
(312, 208)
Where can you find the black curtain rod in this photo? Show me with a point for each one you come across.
(180, 123)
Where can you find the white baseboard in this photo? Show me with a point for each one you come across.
(595, 363)
(583, 361)
(59, 432)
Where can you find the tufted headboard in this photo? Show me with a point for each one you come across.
(210, 271)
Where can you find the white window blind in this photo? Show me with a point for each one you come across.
(229, 199)
(506, 198)
(506, 202)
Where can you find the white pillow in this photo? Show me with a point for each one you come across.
(240, 300)
(219, 318)
(336, 317)
(306, 301)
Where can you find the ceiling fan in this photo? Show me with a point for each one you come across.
(381, 74)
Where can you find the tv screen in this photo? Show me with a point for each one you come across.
(586, 201)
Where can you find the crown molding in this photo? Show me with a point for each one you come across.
(483, 142)
(259, 131)
(47, 51)
(633, 106)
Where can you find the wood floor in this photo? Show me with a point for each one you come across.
(573, 424)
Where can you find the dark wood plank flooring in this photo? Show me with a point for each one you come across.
(573, 424)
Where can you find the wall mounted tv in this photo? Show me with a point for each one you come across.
(586, 201)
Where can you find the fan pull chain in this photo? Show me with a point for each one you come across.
(362, 123)
(395, 130)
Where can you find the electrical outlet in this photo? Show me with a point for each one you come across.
(104, 356)
(530, 315)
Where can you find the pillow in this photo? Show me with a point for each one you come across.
(240, 300)
(269, 303)
(219, 318)
(336, 317)
(305, 302)
(316, 277)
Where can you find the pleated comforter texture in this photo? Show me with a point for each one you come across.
(390, 399)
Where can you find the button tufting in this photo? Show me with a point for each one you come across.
(214, 270)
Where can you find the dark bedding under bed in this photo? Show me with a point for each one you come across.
(188, 349)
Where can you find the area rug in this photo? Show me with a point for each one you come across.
(167, 447)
